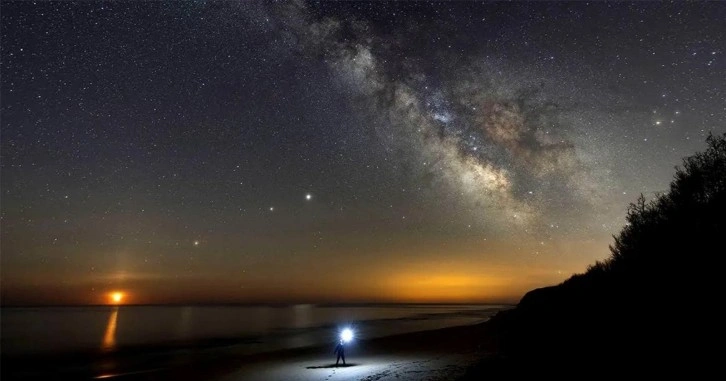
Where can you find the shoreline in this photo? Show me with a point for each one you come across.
(452, 350)
(443, 348)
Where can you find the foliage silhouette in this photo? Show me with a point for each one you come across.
(651, 306)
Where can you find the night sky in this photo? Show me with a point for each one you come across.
(214, 152)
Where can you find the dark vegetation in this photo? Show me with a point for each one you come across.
(651, 308)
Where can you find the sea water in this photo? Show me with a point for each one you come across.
(252, 328)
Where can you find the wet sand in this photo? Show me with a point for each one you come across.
(442, 354)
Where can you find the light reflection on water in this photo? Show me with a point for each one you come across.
(65, 329)
(109, 338)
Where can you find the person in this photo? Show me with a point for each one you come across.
(340, 350)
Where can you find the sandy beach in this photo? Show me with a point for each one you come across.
(442, 354)
(413, 366)
(432, 355)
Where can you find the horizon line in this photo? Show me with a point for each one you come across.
(240, 304)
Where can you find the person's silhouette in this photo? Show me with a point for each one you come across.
(340, 350)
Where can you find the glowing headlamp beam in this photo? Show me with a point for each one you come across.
(346, 335)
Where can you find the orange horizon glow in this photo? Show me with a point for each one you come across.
(465, 276)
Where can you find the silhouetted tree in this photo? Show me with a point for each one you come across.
(677, 237)
(654, 302)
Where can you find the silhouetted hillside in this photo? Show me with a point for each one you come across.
(651, 307)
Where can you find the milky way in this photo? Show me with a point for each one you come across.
(495, 137)
(251, 151)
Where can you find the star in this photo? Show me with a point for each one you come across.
(457, 137)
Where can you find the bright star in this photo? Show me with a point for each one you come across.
(308, 197)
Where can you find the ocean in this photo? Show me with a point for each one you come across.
(105, 341)
(53, 330)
